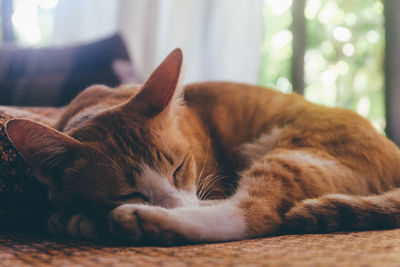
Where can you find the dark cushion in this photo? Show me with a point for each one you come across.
(53, 76)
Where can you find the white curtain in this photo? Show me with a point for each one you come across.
(82, 21)
(220, 39)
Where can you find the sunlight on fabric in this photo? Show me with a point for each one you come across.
(47, 4)
(25, 21)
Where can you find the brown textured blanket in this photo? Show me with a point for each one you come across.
(375, 248)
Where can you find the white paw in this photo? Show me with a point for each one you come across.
(56, 224)
(145, 224)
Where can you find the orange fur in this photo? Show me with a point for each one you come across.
(273, 161)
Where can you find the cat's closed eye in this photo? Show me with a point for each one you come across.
(133, 196)
(176, 172)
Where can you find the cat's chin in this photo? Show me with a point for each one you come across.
(186, 199)
(178, 199)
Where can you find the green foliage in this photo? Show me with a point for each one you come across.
(276, 49)
(344, 57)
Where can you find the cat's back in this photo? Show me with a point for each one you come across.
(239, 114)
(249, 111)
(242, 109)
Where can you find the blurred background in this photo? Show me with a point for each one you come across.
(335, 52)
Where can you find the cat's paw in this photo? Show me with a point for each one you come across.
(76, 226)
(57, 224)
(143, 224)
(300, 219)
(79, 226)
(323, 214)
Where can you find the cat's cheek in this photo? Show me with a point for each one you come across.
(186, 198)
(191, 174)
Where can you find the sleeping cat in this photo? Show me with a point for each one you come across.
(207, 162)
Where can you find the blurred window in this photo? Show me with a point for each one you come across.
(32, 21)
(343, 61)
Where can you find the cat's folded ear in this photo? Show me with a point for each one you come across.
(158, 91)
(44, 148)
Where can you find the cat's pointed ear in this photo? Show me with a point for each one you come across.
(45, 148)
(158, 90)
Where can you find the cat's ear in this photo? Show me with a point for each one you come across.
(44, 148)
(158, 91)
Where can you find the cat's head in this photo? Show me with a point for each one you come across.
(131, 153)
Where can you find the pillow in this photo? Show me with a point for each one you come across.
(52, 76)
(24, 204)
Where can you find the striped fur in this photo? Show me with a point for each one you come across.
(338, 212)
(209, 162)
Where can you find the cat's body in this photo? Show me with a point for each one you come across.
(272, 162)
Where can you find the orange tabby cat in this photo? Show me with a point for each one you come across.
(149, 157)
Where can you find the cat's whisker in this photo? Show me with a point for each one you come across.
(201, 192)
(206, 157)
(201, 182)
(203, 185)
(209, 193)
(206, 186)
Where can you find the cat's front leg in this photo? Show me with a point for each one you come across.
(266, 191)
(156, 225)
(144, 224)
(76, 225)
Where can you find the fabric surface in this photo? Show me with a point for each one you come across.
(219, 39)
(375, 248)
